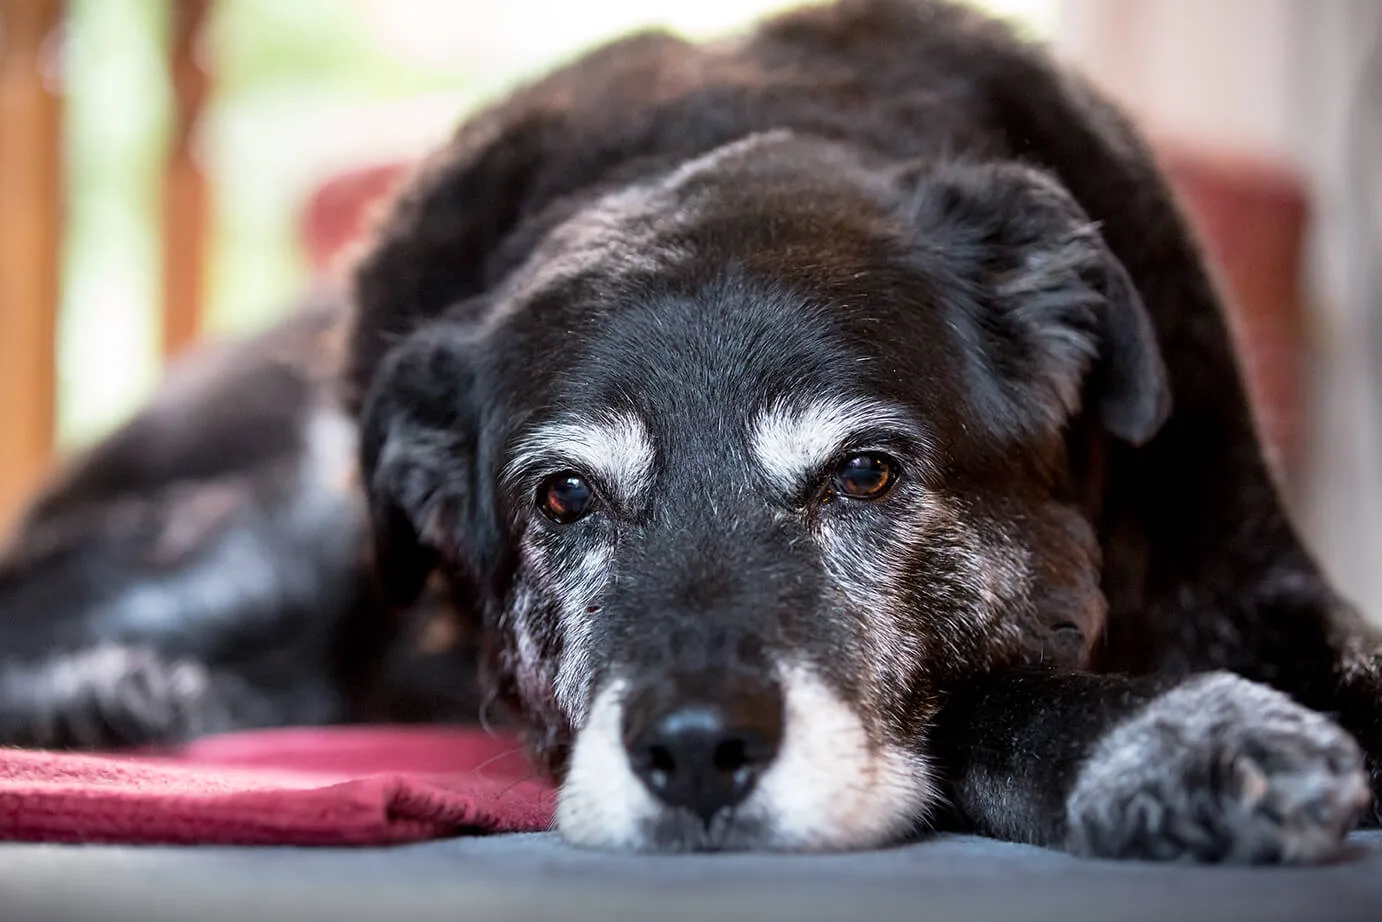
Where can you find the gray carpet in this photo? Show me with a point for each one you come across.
(536, 877)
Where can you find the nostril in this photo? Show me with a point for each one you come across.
(731, 756)
(661, 766)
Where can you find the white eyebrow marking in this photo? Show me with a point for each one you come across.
(793, 440)
(616, 447)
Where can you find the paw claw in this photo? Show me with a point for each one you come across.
(1254, 784)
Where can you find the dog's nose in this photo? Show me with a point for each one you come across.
(702, 744)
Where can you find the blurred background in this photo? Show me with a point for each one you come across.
(178, 169)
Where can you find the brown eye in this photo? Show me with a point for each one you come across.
(866, 476)
(564, 498)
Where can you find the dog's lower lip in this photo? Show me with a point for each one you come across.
(717, 828)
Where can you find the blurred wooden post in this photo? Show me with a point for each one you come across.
(30, 228)
(186, 199)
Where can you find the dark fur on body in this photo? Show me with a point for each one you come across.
(144, 594)
(937, 216)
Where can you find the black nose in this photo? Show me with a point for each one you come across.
(702, 742)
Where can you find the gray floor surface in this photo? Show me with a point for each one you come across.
(536, 877)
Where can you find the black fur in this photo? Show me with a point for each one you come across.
(948, 221)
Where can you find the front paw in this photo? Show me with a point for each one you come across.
(1219, 769)
(103, 697)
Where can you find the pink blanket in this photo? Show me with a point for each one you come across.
(318, 786)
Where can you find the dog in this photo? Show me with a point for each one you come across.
(805, 438)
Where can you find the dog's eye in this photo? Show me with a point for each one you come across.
(564, 498)
(865, 476)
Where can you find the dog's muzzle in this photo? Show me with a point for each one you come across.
(700, 742)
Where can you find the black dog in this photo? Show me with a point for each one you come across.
(827, 432)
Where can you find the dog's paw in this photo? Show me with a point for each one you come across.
(104, 697)
(1219, 769)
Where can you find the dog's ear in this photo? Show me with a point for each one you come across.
(417, 458)
(1058, 324)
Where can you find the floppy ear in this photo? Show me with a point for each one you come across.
(417, 459)
(1058, 324)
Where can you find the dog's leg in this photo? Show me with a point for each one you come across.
(116, 695)
(1287, 630)
(199, 607)
(1202, 567)
(1356, 701)
(1209, 768)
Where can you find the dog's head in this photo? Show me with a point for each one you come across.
(743, 463)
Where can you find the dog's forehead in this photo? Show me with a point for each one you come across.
(700, 366)
(737, 379)
(721, 312)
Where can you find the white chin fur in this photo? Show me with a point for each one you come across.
(603, 804)
(830, 788)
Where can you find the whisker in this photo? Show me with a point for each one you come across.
(490, 698)
(480, 769)
(531, 776)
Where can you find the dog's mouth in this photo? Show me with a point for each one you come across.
(704, 763)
